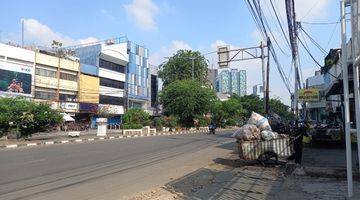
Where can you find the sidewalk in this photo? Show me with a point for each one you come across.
(228, 178)
(62, 137)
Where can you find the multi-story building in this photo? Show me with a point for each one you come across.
(107, 62)
(328, 82)
(16, 71)
(153, 107)
(232, 82)
(122, 68)
(211, 77)
(224, 82)
(138, 75)
(56, 81)
(258, 90)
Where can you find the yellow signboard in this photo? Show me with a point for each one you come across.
(309, 95)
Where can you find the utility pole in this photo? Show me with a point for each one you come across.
(355, 53)
(291, 18)
(267, 95)
(346, 98)
(262, 46)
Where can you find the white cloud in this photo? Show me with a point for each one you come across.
(158, 57)
(40, 34)
(143, 13)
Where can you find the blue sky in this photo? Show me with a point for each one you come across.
(164, 26)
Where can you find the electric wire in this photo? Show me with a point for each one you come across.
(263, 32)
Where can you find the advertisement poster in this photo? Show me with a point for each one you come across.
(15, 82)
(309, 95)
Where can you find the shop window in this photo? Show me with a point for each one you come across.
(45, 72)
(69, 77)
(111, 66)
(111, 100)
(68, 97)
(45, 95)
(112, 83)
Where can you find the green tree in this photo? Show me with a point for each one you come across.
(136, 118)
(22, 117)
(179, 67)
(276, 106)
(228, 112)
(187, 99)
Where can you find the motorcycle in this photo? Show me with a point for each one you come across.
(212, 128)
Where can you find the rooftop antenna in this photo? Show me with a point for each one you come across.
(22, 33)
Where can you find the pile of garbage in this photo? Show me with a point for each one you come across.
(257, 128)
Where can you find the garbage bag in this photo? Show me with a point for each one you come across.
(247, 132)
(261, 122)
(268, 135)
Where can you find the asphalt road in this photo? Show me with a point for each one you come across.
(111, 169)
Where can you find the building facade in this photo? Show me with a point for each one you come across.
(138, 76)
(232, 82)
(56, 81)
(153, 107)
(123, 71)
(211, 77)
(16, 72)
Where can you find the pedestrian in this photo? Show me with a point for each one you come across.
(298, 142)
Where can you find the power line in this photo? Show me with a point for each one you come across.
(313, 58)
(280, 24)
(264, 34)
(262, 20)
(314, 41)
(320, 23)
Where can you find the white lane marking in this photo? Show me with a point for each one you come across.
(11, 146)
(31, 144)
(64, 141)
(91, 139)
(78, 140)
(111, 137)
(101, 138)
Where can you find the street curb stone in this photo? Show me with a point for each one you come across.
(47, 143)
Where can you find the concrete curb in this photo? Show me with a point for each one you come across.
(66, 141)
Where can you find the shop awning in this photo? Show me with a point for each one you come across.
(67, 117)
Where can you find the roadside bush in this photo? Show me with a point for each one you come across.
(21, 118)
(136, 118)
(170, 121)
(158, 123)
(132, 126)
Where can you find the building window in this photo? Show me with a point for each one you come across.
(111, 100)
(68, 97)
(111, 66)
(69, 77)
(45, 95)
(45, 72)
(112, 83)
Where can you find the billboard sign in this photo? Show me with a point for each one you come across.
(70, 107)
(309, 95)
(15, 79)
(223, 56)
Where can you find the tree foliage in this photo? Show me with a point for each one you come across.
(136, 118)
(23, 118)
(179, 67)
(187, 99)
(237, 110)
